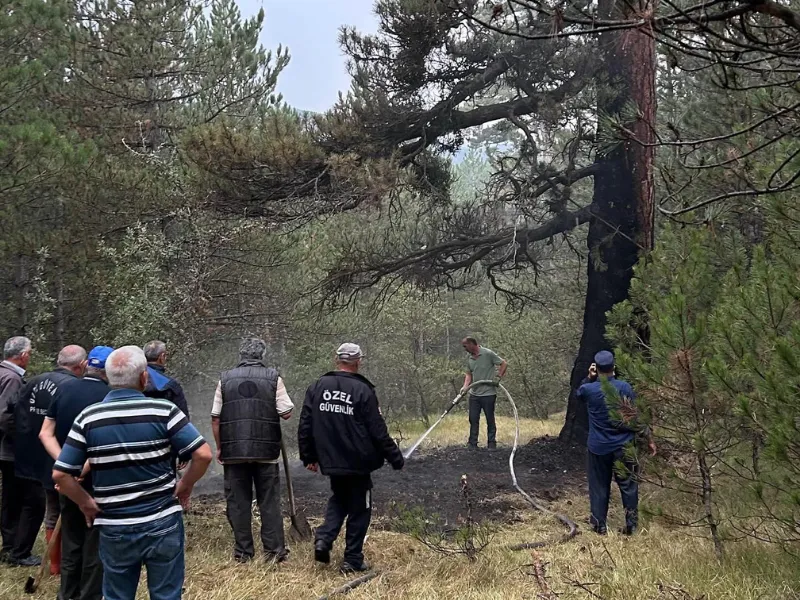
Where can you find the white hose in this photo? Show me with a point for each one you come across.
(566, 521)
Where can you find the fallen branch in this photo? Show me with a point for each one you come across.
(351, 585)
(540, 575)
(585, 588)
(528, 546)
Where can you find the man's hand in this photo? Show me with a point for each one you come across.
(652, 445)
(182, 465)
(219, 456)
(313, 467)
(183, 492)
(90, 510)
(593, 371)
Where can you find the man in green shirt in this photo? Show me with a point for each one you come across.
(482, 364)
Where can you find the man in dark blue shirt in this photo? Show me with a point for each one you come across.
(82, 571)
(610, 443)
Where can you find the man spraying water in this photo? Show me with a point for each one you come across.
(482, 365)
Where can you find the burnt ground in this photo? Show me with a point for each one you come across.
(545, 468)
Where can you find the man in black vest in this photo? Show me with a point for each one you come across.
(33, 464)
(343, 433)
(249, 402)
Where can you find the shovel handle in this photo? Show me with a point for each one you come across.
(289, 486)
(46, 558)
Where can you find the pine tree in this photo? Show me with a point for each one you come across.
(675, 292)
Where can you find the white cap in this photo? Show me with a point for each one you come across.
(349, 351)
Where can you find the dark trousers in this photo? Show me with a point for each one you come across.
(81, 569)
(240, 479)
(476, 405)
(10, 505)
(351, 500)
(26, 517)
(601, 468)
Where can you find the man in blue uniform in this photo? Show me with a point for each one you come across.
(610, 443)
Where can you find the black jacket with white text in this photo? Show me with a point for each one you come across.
(341, 428)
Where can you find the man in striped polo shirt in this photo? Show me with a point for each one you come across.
(128, 440)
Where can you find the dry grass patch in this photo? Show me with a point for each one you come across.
(650, 566)
(454, 430)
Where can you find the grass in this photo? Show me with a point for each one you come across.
(454, 430)
(657, 564)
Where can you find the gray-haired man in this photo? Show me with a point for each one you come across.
(159, 384)
(16, 356)
(249, 402)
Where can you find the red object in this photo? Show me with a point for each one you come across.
(55, 553)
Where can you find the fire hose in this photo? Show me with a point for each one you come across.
(564, 520)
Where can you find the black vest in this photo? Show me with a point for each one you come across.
(249, 424)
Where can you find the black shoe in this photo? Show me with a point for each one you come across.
(628, 530)
(242, 558)
(600, 529)
(5, 556)
(322, 553)
(31, 561)
(472, 446)
(349, 568)
(492, 446)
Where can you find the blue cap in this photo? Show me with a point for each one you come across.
(604, 359)
(98, 356)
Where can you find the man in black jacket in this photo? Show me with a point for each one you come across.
(33, 465)
(159, 384)
(343, 434)
(16, 356)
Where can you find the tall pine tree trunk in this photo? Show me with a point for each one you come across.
(622, 224)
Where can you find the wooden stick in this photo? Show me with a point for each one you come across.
(351, 585)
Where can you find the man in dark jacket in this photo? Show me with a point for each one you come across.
(82, 571)
(33, 466)
(159, 384)
(610, 439)
(16, 356)
(248, 404)
(343, 434)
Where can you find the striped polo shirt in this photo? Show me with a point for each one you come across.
(129, 440)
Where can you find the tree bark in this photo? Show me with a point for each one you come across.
(621, 226)
(21, 288)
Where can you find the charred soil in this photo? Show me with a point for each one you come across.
(546, 468)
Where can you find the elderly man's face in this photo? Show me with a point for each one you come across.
(468, 346)
(25, 359)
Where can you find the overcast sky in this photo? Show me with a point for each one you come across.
(310, 28)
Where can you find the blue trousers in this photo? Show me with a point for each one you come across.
(158, 545)
(601, 468)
